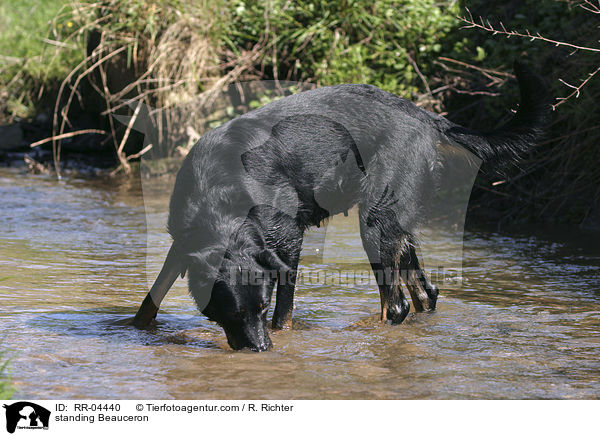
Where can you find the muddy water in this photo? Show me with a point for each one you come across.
(524, 321)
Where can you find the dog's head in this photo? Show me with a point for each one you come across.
(241, 291)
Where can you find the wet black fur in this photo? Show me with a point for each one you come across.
(330, 149)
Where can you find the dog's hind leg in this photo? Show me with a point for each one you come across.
(383, 245)
(422, 292)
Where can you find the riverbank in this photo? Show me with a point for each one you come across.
(76, 66)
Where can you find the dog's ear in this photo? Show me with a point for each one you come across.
(209, 259)
(268, 259)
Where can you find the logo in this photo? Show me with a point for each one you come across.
(26, 415)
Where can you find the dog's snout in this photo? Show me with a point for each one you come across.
(254, 338)
(257, 347)
(265, 346)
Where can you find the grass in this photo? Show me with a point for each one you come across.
(169, 53)
(6, 389)
(21, 22)
(31, 59)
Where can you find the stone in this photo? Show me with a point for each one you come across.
(11, 137)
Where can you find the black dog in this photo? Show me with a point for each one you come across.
(248, 189)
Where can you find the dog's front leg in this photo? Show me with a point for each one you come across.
(286, 284)
(284, 304)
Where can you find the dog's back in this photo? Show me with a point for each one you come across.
(320, 142)
(333, 145)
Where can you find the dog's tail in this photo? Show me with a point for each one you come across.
(508, 143)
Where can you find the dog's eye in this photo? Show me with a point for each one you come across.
(239, 314)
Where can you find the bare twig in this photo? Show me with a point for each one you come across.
(122, 158)
(66, 135)
(418, 71)
(486, 71)
(465, 92)
(496, 77)
(500, 29)
(486, 25)
(140, 153)
(590, 7)
(10, 58)
(576, 89)
(106, 93)
(58, 43)
(55, 144)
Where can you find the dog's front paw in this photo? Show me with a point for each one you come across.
(279, 323)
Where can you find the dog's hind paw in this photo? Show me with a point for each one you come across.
(432, 294)
(397, 313)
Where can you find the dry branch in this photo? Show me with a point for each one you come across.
(67, 135)
(501, 29)
(487, 25)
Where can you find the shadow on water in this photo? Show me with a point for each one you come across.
(114, 324)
